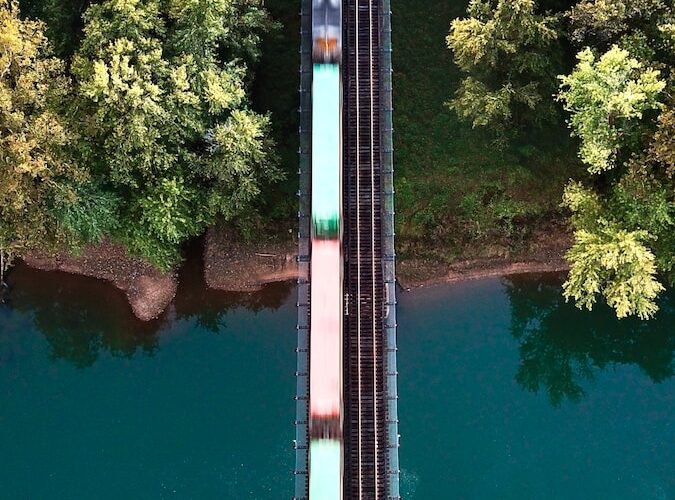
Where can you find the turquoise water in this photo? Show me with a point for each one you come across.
(197, 405)
(505, 392)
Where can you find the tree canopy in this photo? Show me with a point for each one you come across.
(620, 101)
(507, 51)
(144, 134)
(621, 108)
(607, 98)
(603, 22)
(37, 176)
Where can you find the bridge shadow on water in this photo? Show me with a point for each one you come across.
(562, 347)
(82, 317)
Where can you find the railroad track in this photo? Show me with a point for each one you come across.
(365, 399)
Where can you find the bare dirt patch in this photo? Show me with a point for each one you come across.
(235, 265)
(148, 290)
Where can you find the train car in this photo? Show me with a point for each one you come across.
(326, 303)
(326, 447)
(326, 152)
(326, 310)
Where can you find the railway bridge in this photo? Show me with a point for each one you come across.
(368, 431)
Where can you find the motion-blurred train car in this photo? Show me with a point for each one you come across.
(327, 31)
(326, 309)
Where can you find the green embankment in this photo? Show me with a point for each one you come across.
(458, 196)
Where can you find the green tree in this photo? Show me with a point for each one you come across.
(230, 28)
(36, 173)
(624, 228)
(607, 98)
(63, 19)
(662, 148)
(508, 52)
(602, 23)
(163, 112)
(624, 239)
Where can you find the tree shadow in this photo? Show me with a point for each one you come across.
(82, 317)
(197, 302)
(561, 346)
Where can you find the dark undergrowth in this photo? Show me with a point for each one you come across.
(275, 91)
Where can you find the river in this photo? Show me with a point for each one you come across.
(505, 392)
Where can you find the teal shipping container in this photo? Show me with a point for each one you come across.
(326, 151)
(325, 465)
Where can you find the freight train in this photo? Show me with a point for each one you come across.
(327, 308)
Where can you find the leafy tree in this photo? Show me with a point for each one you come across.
(607, 98)
(662, 148)
(618, 264)
(36, 173)
(508, 52)
(625, 231)
(621, 107)
(624, 239)
(231, 28)
(604, 22)
(613, 102)
(162, 107)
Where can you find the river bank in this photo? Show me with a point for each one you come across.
(545, 252)
(230, 264)
(227, 263)
(148, 290)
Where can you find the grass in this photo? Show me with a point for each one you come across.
(458, 196)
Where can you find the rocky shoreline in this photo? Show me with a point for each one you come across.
(148, 290)
(470, 270)
(231, 264)
(545, 252)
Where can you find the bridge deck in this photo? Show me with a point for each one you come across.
(365, 459)
(371, 423)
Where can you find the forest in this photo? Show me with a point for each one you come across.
(145, 122)
(130, 120)
(602, 71)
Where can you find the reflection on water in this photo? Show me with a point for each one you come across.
(78, 316)
(198, 415)
(561, 346)
(96, 404)
(472, 430)
(81, 316)
(210, 307)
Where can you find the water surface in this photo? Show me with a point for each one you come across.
(505, 392)
(95, 404)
